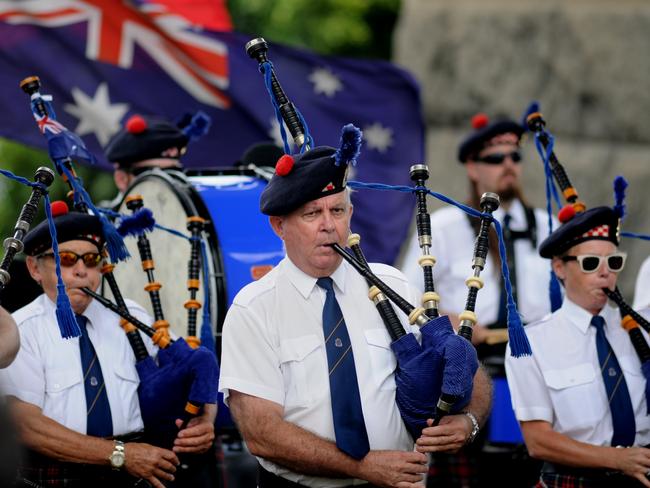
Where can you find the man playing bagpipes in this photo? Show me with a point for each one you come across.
(307, 368)
(9, 338)
(75, 400)
(580, 397)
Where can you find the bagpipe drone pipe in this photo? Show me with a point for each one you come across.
(434, 376)
(181, 379)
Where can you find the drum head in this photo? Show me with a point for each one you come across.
(171, 198)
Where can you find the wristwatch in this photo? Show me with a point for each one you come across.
(475, 427)
(117, 456)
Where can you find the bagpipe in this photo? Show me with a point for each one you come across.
(13, 244)
(180, 380)
(631, 320)
(434, 375)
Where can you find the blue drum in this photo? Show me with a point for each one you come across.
(241, 246)
(503, 427)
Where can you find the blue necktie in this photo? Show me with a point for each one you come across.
(620, 404)
(349, 426)
(98, 410)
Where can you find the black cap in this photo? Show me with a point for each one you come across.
(598, 223)
(301, 179)
(483, 132)
(70, 226)
(145, 138)
(261, 154)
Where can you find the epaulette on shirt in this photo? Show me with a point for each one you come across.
(28, 311)
(256, 289)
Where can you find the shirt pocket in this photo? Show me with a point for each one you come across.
(382, 358)
(126, 381)
(60, 394)
(302, 367)
(575, 393)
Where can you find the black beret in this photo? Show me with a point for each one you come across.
(483, 132)
(70, 226)
(313, 174)
(261, 154)
(598, 223)
(144, 138)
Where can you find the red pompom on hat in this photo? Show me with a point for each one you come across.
(566, 213)
(59, 207)
(136, 124)
(479, 121)
(284, 165)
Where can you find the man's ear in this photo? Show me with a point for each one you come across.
(32, 267)
(277, 223)
(122, 179)
(559, 268)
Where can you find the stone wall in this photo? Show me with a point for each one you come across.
(586, 61)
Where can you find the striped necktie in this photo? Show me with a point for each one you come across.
(349, 426)
(620, 404)
(98, 410)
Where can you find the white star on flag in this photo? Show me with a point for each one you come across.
(378, 137)
(325, 82)
(96, 115)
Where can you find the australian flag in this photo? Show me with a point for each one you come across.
(104, 60)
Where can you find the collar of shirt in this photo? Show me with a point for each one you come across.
(517, 215)
(581, 318)
(305, 284)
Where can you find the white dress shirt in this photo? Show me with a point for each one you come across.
(47, 371)
(453, 247)
(561, 382)
(273, 348)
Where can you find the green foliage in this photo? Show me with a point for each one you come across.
(23, 161)
(357, 28)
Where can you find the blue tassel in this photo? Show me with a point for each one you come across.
(114, 242)
(532, 108)
(350, 145)
(137, 224)
(620, 184)
(554, 292)
(645, 369)
(519, 345)
(67, 322)
(198, 126)
(68, 325)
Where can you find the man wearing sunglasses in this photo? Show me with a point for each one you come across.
(75, 400)
(580, 398)
(492, 159)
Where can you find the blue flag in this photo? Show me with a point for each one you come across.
(104, 60)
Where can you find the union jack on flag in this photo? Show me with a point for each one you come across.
(105, 60)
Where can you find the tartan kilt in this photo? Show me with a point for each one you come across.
(564, 480)
(38, 471)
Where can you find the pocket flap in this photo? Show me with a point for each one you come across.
(299, 348)
(58, 379)
(127, 373)
(581, 374)
(378, 337)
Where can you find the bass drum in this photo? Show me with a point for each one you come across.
(241, 246)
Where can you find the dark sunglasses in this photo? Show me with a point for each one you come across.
(498, 158)
(589, 263)
(69, 258)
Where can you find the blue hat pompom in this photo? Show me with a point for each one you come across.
(137, 224)
(620, 184)
(198, 126)
(349, 146)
